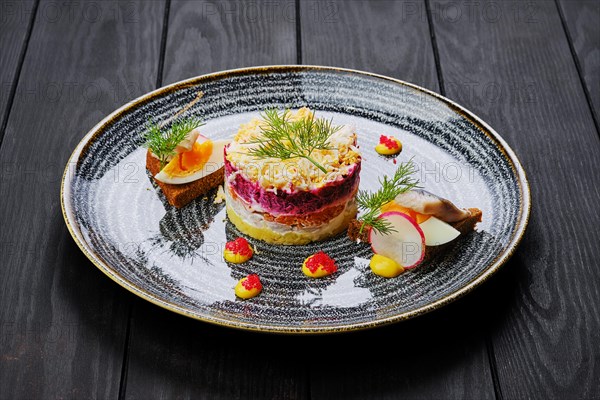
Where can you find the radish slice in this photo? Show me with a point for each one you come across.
(406, 245)
(438, 232)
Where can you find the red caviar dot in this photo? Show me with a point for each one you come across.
(252, 282)
(321, 260)
(239, 246)
(388, 141)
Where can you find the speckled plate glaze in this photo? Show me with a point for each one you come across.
(173, 258)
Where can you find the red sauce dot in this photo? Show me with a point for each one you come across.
(252, 282)
(239, 246)
(321, 260)
(388, 141)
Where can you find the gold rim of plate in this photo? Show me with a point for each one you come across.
(518, 232)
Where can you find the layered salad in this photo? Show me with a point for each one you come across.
(291, 178)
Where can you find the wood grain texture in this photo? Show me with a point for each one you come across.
(441, 356)
(62, 321)
(582, 19)
(16, 19)
(513, 67)
(531, 332)
(210, 36)
(386, 37)
(171, 356)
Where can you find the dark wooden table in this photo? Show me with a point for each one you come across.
(529, 68)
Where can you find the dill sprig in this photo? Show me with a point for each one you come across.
(162, 142)
(284, 139)
(370, 203)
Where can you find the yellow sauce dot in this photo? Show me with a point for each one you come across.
(243, 293)
(385, 267)
(386, 151)
(234, 257)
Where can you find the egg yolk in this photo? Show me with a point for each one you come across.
(190, 162)
(238, 251)
(319, 265)
(393, 206)
(388, 145)
(385, 267)
(248, 287)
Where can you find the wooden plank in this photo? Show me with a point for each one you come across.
(387, 37)
(62, 321)
(437, 356)
(510, 63)
(582, 19)
(210, 36)
(443, 355)
(16, 21)
(171, 356)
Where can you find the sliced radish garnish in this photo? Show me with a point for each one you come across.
(406, 245)
(438, 232)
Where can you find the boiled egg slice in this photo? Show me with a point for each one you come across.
(205, 157)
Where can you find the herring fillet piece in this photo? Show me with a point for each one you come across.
(424, 202)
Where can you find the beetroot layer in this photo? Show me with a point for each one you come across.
(296, 202)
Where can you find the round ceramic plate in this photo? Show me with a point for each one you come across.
(173, 257)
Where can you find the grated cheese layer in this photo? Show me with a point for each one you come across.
(295, 173)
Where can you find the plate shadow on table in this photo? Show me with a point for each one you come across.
(424, 350)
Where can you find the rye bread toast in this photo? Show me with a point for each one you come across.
(181, 195)
(465, 226)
